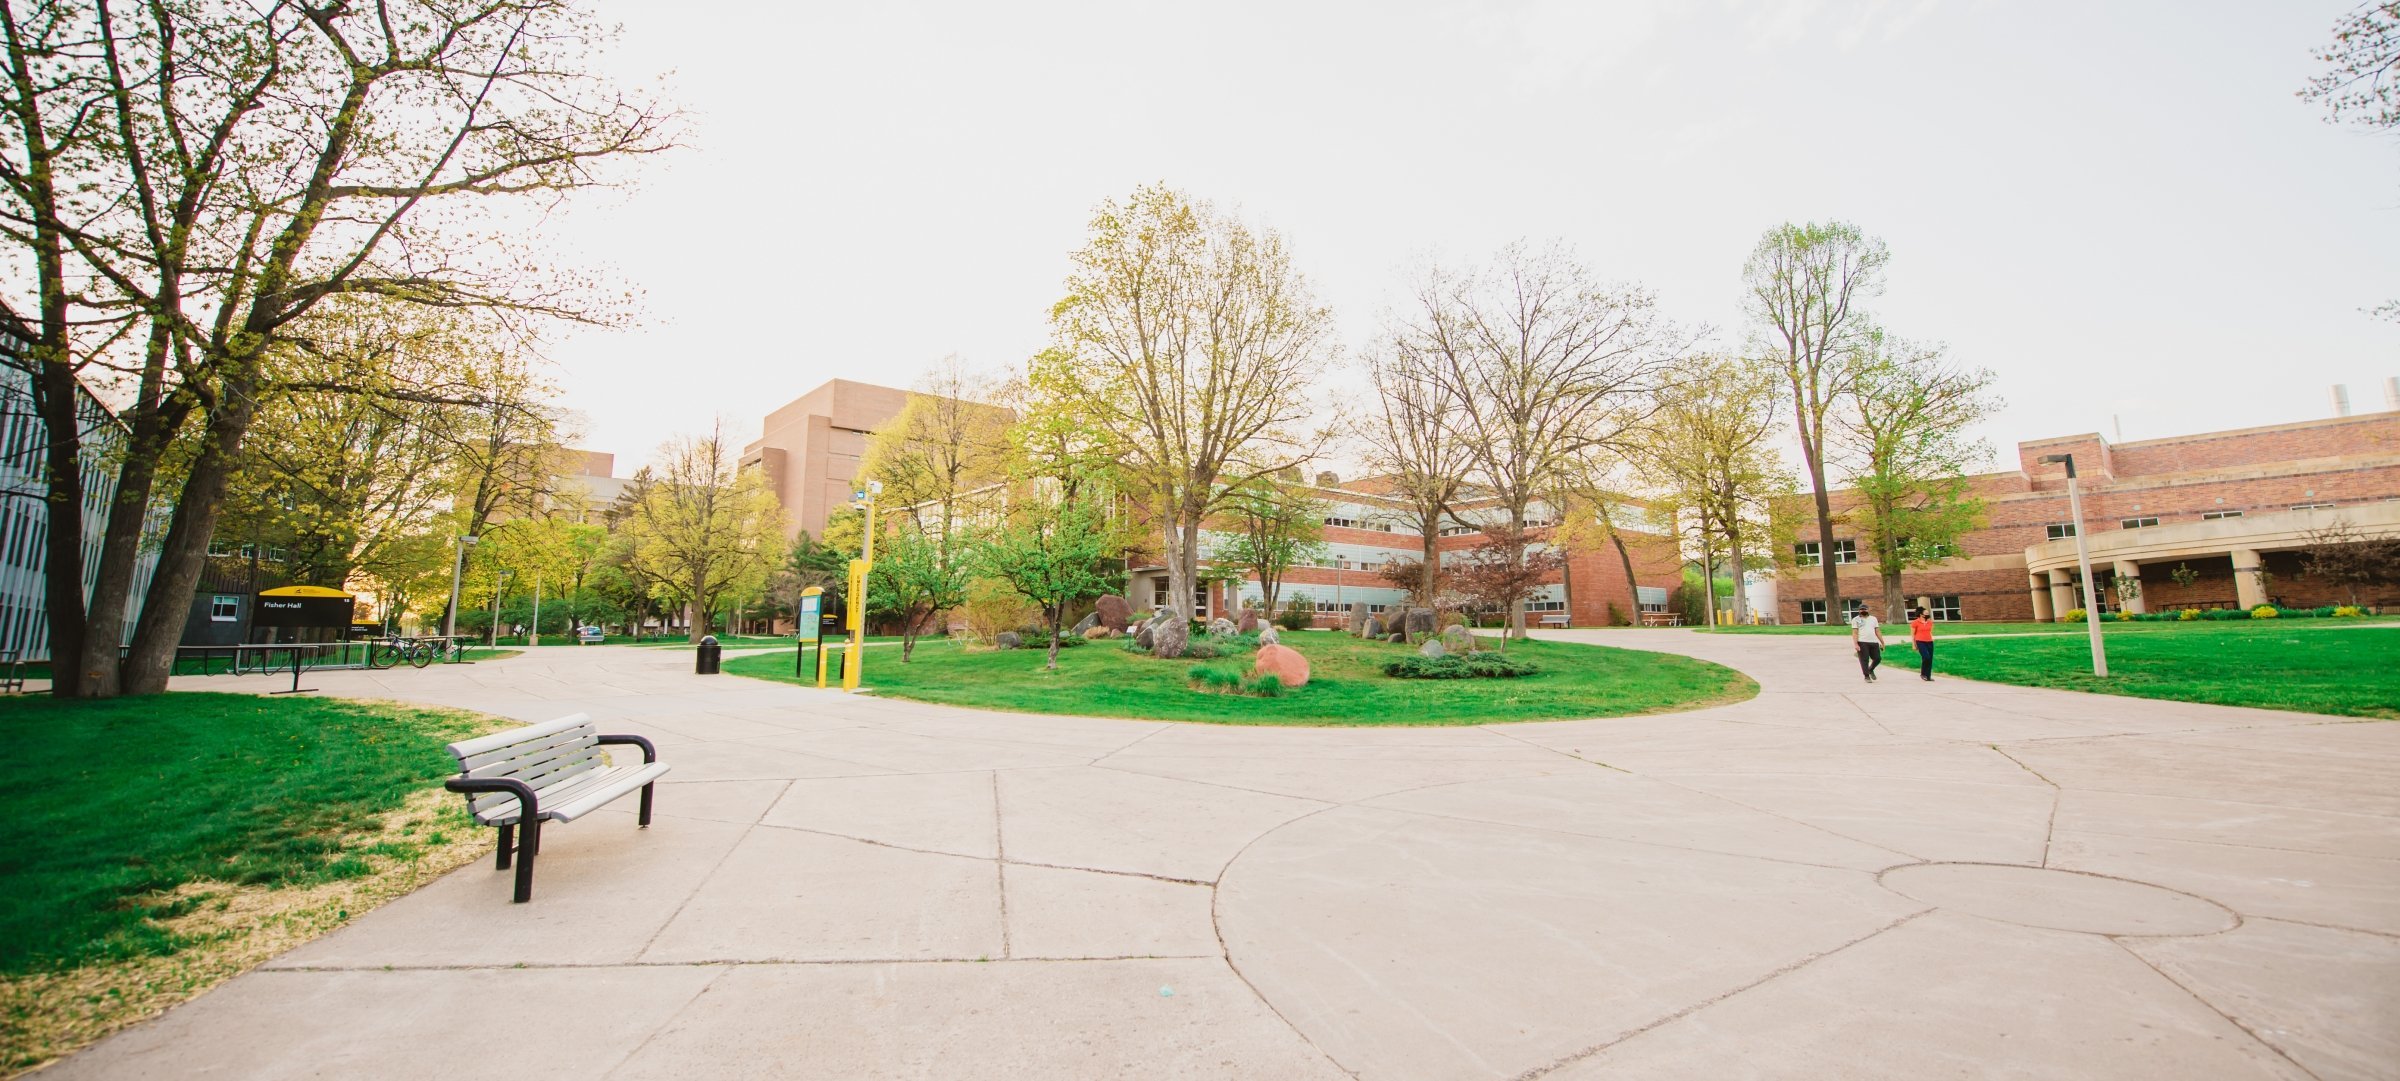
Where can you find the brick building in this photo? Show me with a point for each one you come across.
(2212, 510)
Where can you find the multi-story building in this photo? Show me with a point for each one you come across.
(25, 515)
(2195, 519)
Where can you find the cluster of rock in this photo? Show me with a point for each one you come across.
(1394, 626)
(1454, 639)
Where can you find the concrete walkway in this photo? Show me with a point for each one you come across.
(1834, 880)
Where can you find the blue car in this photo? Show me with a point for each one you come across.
(590, 636)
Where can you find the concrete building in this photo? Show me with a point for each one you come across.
(810, 448)
(25, 514)
(2195, 519)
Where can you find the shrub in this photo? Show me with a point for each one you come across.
(994, 606)
(1485, 665)
(2073, 615)
(2264, 611)
(1210, 679)
(1266, 686)
(1616, 615)
(2224, 613)
(1297, 613)
(2188, 613)
(2349, 611)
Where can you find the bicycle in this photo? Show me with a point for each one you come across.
(396, 650)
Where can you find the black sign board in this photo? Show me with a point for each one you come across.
(302, 606)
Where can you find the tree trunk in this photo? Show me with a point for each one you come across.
(1633, 589)
(695, 614)
(1825, 563)
(54, 393)
(1057, 615)
(1733, 546)
(1429, 572)
(1516, 607)
(185, 551)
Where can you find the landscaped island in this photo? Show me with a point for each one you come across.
(1346, 684)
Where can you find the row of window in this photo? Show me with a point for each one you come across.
(273, 553)
(1810, 553)
(1806, 552)
(1944, 608)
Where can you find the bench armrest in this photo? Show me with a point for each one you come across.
(527, 806)
(649, 753)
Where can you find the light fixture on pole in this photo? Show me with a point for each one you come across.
(2083, 557)
(458, 566)
(854, 661)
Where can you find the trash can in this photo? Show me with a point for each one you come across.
(709, 654)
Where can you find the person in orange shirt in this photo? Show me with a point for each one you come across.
(1920, 629)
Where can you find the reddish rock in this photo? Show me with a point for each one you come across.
(1114, 613)
(1284, 663)
(1248, 623)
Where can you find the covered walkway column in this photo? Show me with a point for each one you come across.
(2062, 592)
(2040, 587)
(2130, 600)
(2249, 590)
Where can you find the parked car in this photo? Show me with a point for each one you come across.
(590, 636)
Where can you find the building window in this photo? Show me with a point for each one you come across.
(1852, 608)
(2060, 530)
(1158, 597)
(1945, 608)
(2140, 523)
(1545, 606)
(2312, 506)
(224, 609)
(221, 548)
(2210, 516)
(1458, 530)
(1812, 611)
(1806, 554)
(1845, 552)
(1341, 521)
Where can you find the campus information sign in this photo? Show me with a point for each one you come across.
(812, 615)
(301, 606)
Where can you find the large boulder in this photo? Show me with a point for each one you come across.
(1094, 634)
(1420, 621)
(1170, 639)
(1008, 640)
(1282, 662)
(1458, 639)
(1086, 623)
(1268, 635)
(1374, 628)
(1396, 638)
(1113, 612)
(1357, 623)
(1432, 648)
(1248, 622)
(1222, 627)
(1146, 636)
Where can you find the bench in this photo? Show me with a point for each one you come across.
(552, 771)
(1554, 619)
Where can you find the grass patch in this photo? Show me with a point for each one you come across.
(1899, 630)
(1346, 685)
(2307, 666)
(168, 842)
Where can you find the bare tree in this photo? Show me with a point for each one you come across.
(1550, 366)
(1410, 441)
(1805, 289)
(1190, 343)
(2351, 559)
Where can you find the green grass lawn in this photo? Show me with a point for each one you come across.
(116, 802)
(1346, 685)
(2310, 665)
(2110, 627)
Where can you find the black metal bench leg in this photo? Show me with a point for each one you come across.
(508, 840)
(645, 821)
(532, 846)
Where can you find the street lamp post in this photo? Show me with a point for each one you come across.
(854, 664)
(2083, 557)
(458, 566)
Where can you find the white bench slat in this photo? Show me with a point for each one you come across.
(533, 760)
(549, 775)
(613, 783)
(583, 733)
(480, 744)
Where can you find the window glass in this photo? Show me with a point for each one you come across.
(2140, 523)
(1810, 611)
(2213, 515)
(1845, 552)
(224, 609)
(1945, 609)
(1805, 554)
(2060, 530)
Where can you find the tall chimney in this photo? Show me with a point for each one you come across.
(2341, 400)
(2391, 393)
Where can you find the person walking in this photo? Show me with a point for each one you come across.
(1866, 637)
(1920, 631)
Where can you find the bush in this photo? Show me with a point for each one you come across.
(1477, 665)
(2264, 611)
(1298, 613)
(1214, 680)
(2349, 611)
(1616, 615)
(2224, 613)
(2188, 614)
(994, 606)
(2073, 615)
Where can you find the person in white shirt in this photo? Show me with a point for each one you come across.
(1866, 637)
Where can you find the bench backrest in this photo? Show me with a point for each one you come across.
(541, 755)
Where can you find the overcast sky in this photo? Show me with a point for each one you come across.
(2120, 207)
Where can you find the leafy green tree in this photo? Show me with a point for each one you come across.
(1905, 436)
(916, 576)
(1058, 554)
(706, 530)
(1275, 527)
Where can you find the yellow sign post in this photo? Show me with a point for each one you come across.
(855, 664)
